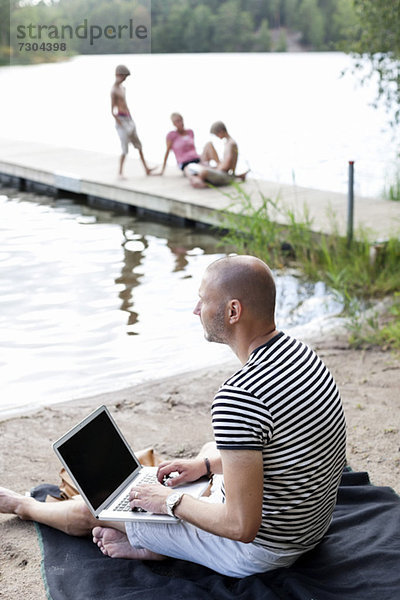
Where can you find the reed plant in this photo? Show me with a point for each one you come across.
(360, 271)
(392, 191)
(374, 327)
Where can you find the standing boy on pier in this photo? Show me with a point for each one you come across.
(124, 123)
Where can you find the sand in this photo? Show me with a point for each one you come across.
(369, 381)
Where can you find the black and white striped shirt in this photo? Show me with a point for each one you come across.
(284, 402)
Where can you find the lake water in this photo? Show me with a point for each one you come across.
(93, 301)
(295, 117)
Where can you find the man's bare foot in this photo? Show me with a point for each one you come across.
(197, 182)
(149, 171)
(115, 544)
(242, 176)
(11, 502)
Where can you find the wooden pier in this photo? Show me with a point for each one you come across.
(94, 175)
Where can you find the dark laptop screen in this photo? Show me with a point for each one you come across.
(98, 459)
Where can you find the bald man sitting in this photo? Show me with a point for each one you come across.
(276, 461)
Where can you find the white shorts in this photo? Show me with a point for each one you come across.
(127, 133)
(187, 542)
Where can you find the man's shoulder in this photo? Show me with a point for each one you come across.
(264, 359)
(230, 142)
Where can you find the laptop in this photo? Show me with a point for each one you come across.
(104, 468)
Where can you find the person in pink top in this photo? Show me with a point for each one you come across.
(181, 142)
(206, 168)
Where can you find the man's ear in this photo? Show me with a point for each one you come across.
(234, 311)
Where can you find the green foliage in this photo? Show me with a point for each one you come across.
(192, 26)
(343, 23)
(281, 45)
(57, 21)
(392, 191)
(311, 23)
(373, 328)
(199, 32)
(233, 28)
(290, 9)
(263, 42)
(244, 25)
(358, 272)
(5, 31)
(377, 37)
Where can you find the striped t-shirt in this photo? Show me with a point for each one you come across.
(284, 402)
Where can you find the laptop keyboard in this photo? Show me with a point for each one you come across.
(123, 505)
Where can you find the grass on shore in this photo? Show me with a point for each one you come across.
(392, 190)
(359, 271)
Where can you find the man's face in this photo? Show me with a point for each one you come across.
(212, 312)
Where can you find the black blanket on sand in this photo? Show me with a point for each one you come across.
(358, 559)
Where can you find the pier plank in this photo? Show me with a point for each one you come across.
(94, 174)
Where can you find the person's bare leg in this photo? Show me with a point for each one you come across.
(209, 153)
(197, 182)
(121, 166)
(115, 543)
(146, 168)
(70, 516)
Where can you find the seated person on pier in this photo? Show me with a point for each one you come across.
(224, 172)
(181, 142)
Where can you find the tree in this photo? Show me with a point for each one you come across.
(328, 8)
(199, 32)
(233, 28)
(169, 33)
(290, 13)
(311, 23)
(343, 23)
(258, 9)
(281, 45)
(7, 8)
(263, 40)
(379, 43)
(273, 13)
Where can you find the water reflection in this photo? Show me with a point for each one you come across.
(93, 301)
(134, 246)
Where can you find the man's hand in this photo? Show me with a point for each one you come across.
(149, 497)
(187, 470)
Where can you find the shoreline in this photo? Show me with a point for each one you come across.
(172, 414)
(310, 333)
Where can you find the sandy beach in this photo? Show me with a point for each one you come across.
(173, 416)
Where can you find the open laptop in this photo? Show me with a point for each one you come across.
(104, 468)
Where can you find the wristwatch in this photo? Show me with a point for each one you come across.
(172, 502)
